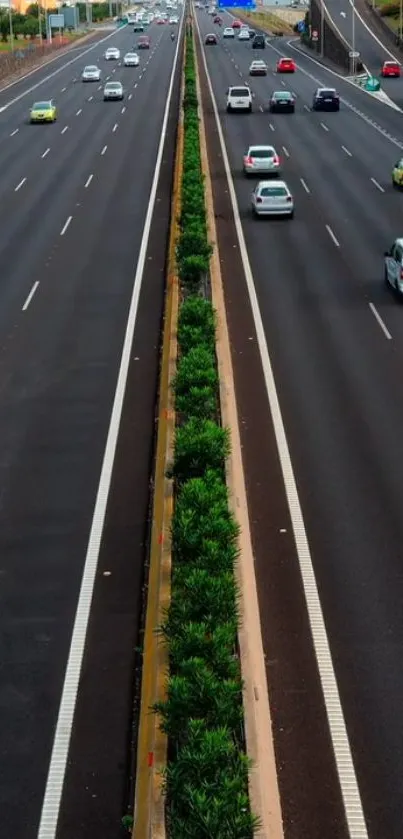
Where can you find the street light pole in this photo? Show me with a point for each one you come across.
(353, 35)
(400, 21)
(39, 23)
(10, 16)
(322, 29)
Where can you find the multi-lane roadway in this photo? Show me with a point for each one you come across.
(84, 215)
(335, 337)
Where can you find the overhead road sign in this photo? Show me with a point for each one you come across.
(353, 54)
(236, 4)
(301, 26)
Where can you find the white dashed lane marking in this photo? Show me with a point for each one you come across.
(63, 131)
(378, 186)
(325, 128)
(30, 296)
(21, 183)
(45, 154)
(13, 133)
(115, 127)
(332, 236)
(88, 181)
(66, 225)
(383, 326)
(347, 151)
(286, 152)
(306, 188)
(80, 110)
(104, 149)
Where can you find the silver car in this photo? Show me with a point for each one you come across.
(243, 35)
(261, 160)
(113, 90)
(131, 59)
(91, 73)
(228, 32)
(272, 199)
(112, 54)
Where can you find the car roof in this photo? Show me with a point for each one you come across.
(276, 183)
(329, 89)
(43, 102)
(281, 93)
(262, 148)
(399, 242)
(113, 84)
(391, 62)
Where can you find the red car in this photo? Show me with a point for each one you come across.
(390, 68)
(236, 24)
(217, 19)
(143, 43)
(286, 65)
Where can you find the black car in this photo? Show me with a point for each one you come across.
(282, 100)
(252, 33)
(211, 39)
(259, 42)
(326, 99)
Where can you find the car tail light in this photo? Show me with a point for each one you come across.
(401, 275)
(276, 160)
(248, 159)
(259, 200)
(289, 198)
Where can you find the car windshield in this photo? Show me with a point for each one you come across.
(273, 191)
(282, 94)
(239, 91)
(263, 153)
(113, 85)
(90, 69)
(41, 106)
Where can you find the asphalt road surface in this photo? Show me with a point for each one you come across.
(369, 40)
(73, 202)
(335, 336)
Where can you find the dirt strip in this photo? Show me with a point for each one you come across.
(310, 794)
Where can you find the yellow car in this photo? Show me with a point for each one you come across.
(43, 112)
(397, 173)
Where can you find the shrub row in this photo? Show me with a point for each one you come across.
(207, 772)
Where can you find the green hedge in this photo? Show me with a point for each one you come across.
(207, 772)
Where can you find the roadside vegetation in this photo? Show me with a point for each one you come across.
(206, 779)
(31, 26)
(390, 11)
(280, 23)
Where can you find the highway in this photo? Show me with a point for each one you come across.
(82, 255)
(369, 39)
(335, 338)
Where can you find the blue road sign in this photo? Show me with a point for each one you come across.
(301, 26)
(236, 4)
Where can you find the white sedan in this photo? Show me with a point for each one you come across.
(243, 35)
(112, 54)
(91, 73)
(228, 32)
(272, 199)
(131, 59)
(113, 90)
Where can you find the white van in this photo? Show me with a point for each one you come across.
(239, 99)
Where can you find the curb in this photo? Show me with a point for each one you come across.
(149, 803)
(263, 784)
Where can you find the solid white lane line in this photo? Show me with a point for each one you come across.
(325, 128)
(272, 128)
(306, 188)
(13, 133)
(115, 127)
(80, 110)
(45, 154)
(21, 183)
(104, 149)
(66, 225)
(30, 296)
(337, 725)
(376, 314)
(332, 236)
(347, 151)
(88, 181)
(61, 742)
(378, 186)
(63, 131)
(286, 152)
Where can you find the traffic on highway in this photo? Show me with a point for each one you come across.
(87, 149)
(324, 286)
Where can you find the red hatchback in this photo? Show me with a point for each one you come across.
(390, 68)
(286, 65)
(236, 24)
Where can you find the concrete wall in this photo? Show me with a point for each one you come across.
(335, 47)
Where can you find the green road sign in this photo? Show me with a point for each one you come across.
(372, 84)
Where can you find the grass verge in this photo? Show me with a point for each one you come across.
(266, 20)
(206, 778)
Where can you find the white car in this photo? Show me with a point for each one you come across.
(131, 59)
(239, 99)
(258, 68)
(112, 54)
(394, 266)
(272, 199)
(91, 73)
(228, 32)
(173, 19)
(261, 160)
(243, 35)
(113, 90)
